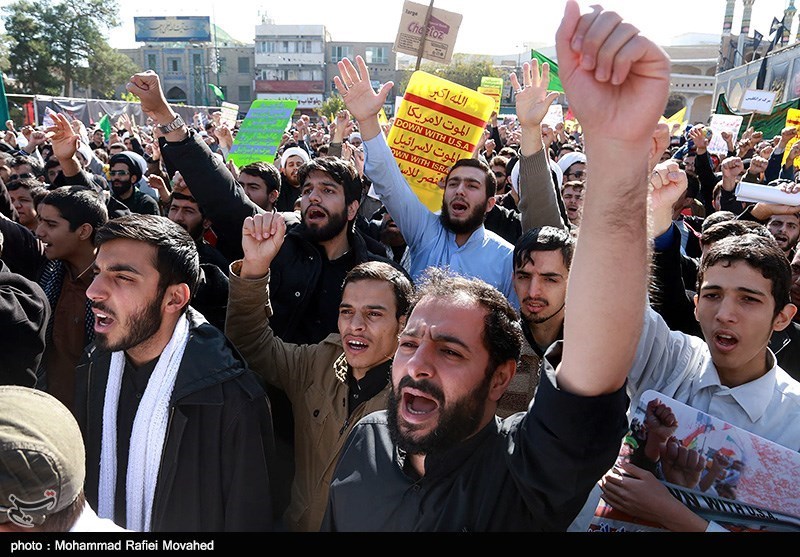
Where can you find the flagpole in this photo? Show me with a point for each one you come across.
(424, 34)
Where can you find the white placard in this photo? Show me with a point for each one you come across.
(555, 115)
(720, 123)
(760, 193)
(230, 113)
(756, 100)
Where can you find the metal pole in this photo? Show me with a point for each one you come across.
(424, 34)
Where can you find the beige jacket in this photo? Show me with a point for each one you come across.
(306, 374)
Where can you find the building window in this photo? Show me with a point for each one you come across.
(173, 64)
(377, 55)
(339, 52)
(151, 62)
(196, 60)
(244, 64)
(223, 64)
(244, 93)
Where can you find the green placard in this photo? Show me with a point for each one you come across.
(488, 81)
(261, 131)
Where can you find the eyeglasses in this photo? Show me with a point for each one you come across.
(22, 176)
(118, 172)
(578, 174)
(500, 174)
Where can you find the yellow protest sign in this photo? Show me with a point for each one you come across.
(792, 119)
(439, 122)
(492, 86)
(382, 117)
(494, 93)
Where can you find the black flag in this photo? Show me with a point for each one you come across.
(777, 28)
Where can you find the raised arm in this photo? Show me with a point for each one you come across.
(538, 195)
(247, 316)
(607, 68)
(215, 188)
(362, 101)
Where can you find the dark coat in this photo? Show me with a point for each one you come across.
(219, 446)
(24, 314)
(294, 276)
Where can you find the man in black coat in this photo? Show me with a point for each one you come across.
(24, 312)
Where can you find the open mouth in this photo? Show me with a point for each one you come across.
(356, 346)
(315, 213)
(419, 404)
(102, 320)
(725, 342)
(458, 207)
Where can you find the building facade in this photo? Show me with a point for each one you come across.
(290, 64)
(380, 58)
(187, 69)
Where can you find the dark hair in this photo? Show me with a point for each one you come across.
(732, 227)
(78, 205)
(343, 172)
(36, 166)
(51, 163)
(379, 270)
(176, 259)
(266, 171)
(490, 180)
(182, 196)
(499, 160)
(544, 238)
(502, 332)
(715, 217)
(37, 189)
(763, 254)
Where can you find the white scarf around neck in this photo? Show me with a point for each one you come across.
(147, 437)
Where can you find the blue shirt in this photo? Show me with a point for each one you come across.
(485, 255)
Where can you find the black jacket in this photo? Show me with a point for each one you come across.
(295, 275)
(216, 190)
(531, 472)
(219, 444)
(24, 313)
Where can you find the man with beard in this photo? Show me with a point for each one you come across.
(331, 384)
(186, 212)
(782, 221)
(211, 297)
(440, 459)
(162, 388)
(125, 172)
(291, 161)
(456, 238)
(317, 254)
(786, 231)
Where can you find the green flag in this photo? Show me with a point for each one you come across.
(217, 91)
(4, 116)
(555, 82)
(105, 124)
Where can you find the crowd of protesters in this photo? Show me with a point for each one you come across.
(299, 344)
